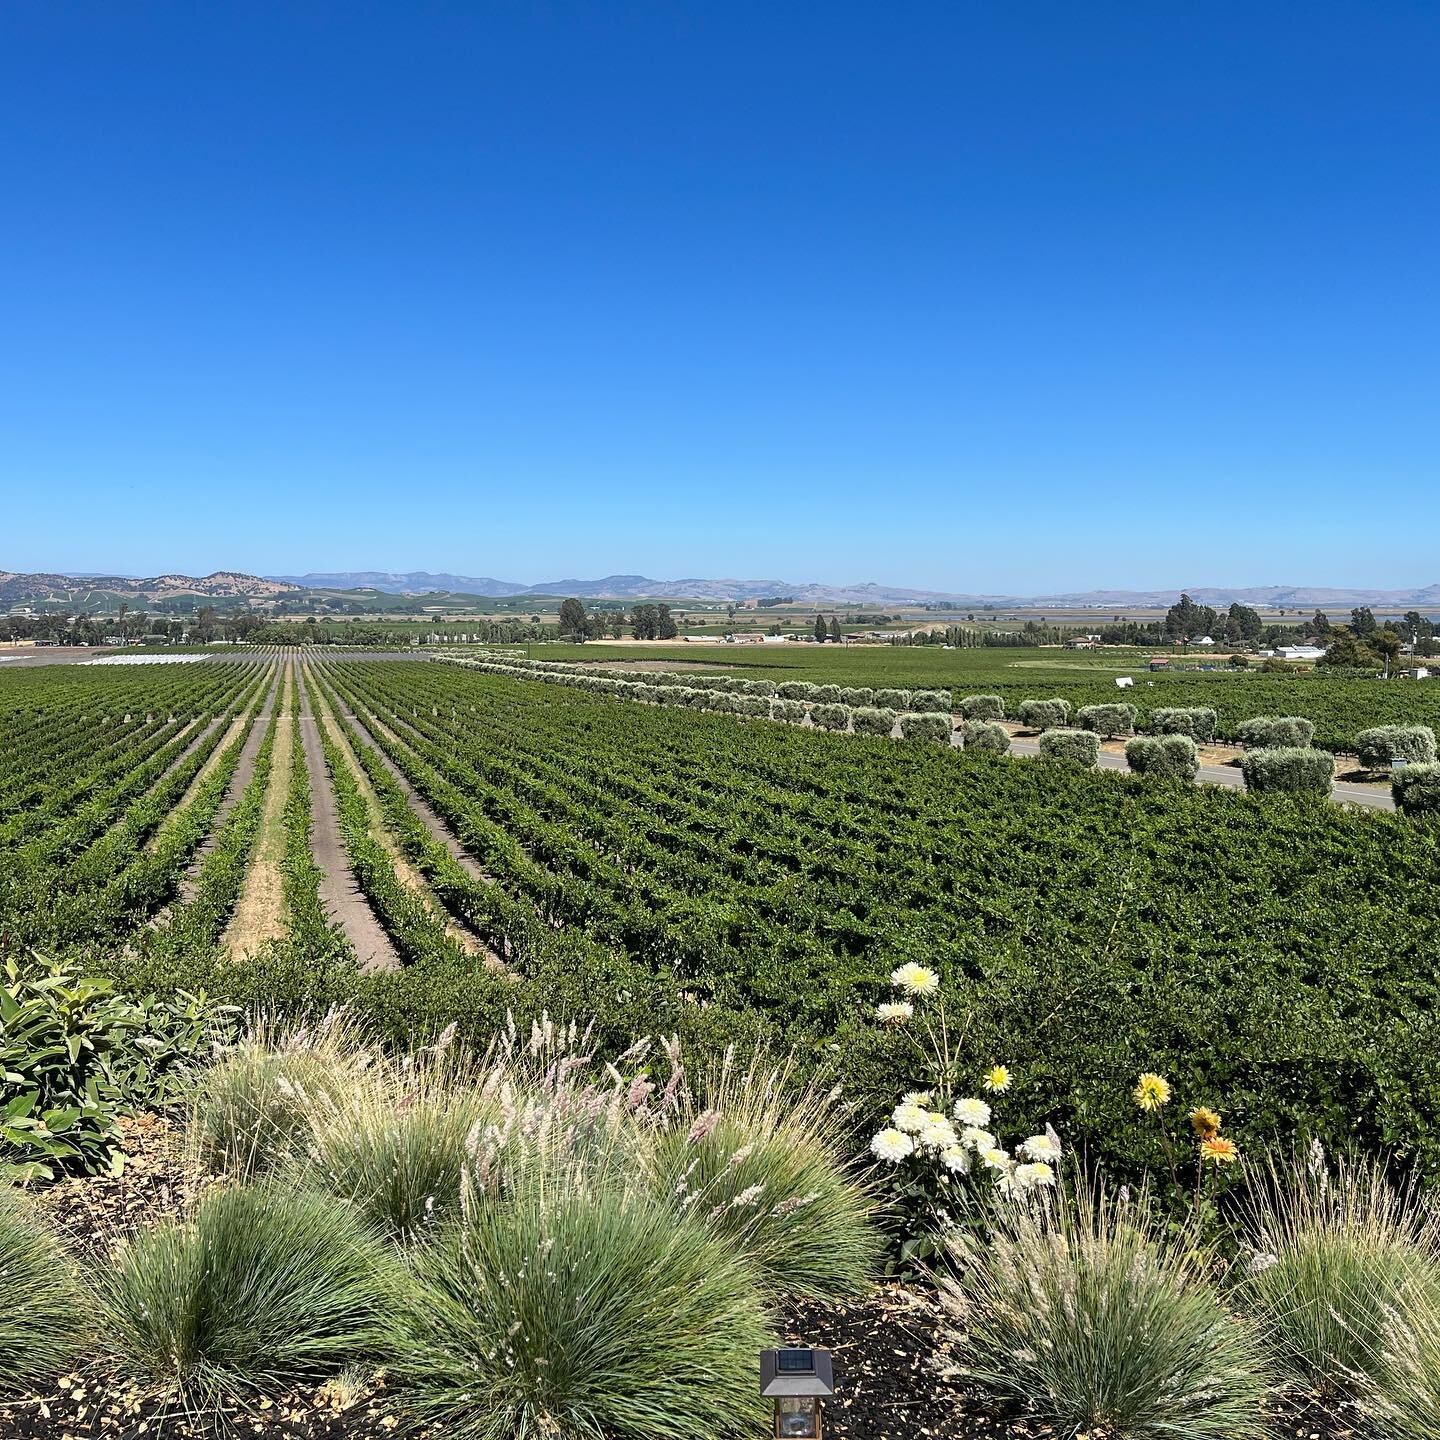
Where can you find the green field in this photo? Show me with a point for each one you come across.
(750, 882)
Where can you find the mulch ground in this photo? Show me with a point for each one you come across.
(897, 1376)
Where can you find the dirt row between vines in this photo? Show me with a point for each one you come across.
(260, 912)
(405, 871)
(340, 892)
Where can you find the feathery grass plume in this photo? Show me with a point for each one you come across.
(397, 1142)
(592, 1310)
(764, 1166)
(1078, 1307)
(1404, 1400)
(41, 1306)
(1332, 1255)
(251, 1110)
(263, 1288)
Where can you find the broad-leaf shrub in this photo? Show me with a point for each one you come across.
(1170, 756)
(927, 725)
(981, 707)
(1378, 747)
(1043, 714)
(869, 721)
(1075, 747)
(1198, 722)
(1288, 768)
(74, 1055)
(1275, 732)
(1416, 789)
(985, 735)
(42, 1309)
(1111, 719)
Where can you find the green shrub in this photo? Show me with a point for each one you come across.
(1415, 744)
(1333, 1256)
(893, 699)
(1090, 1319)
(1110, 719)
(1276, 732)
(1288, 768)
(792, 711)
(1043, 714)
(930, 700)
(1416, 789)
(926, 725)
(265, 1288)
(41, 1306)
(982, 707)
(985, 735)
(831, 717)
(853, 695)
(74, 1055)
(1171, 757)
(580, 1312)
(1074, 747)
(869, 721)
(1198, 722)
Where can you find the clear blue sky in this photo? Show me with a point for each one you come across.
(978, 296)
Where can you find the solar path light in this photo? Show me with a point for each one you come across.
(797, 1378)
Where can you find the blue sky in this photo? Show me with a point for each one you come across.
(981, 297)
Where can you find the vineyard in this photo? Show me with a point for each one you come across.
(431, 845)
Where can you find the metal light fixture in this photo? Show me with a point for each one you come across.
(797, 1378)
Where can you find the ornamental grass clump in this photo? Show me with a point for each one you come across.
(1084, 1312)
(1071, 747)
(580, 1309)
(985, 735)
(263, 1288)
(1288, 770)
(1169, 757)
(764, 1168)
(1333, 1257)
(42, 1309)
(250, 1111)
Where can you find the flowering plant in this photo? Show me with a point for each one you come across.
(939, 1149)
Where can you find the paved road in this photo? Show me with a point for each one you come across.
(1228, 775)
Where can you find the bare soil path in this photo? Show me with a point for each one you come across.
(244, 773)
(403, 869)
(260, 912)
(340, 893)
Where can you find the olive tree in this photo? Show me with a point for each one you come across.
(1044, 714)
(1109, 719)
(1198, 722)
(981, 707)
(1073, 747)
(985, 735)
(1276, 732)
(792, 711)
(926, 725)
(1292, 768)
(1171, 757)
(1416, 789)
(893, 699)
(867, 720)
(831, 717)
(932, 700)
(1377, 748)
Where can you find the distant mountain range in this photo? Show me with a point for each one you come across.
(625, 587)
(234, 585)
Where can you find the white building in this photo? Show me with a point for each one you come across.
(1299, 652)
